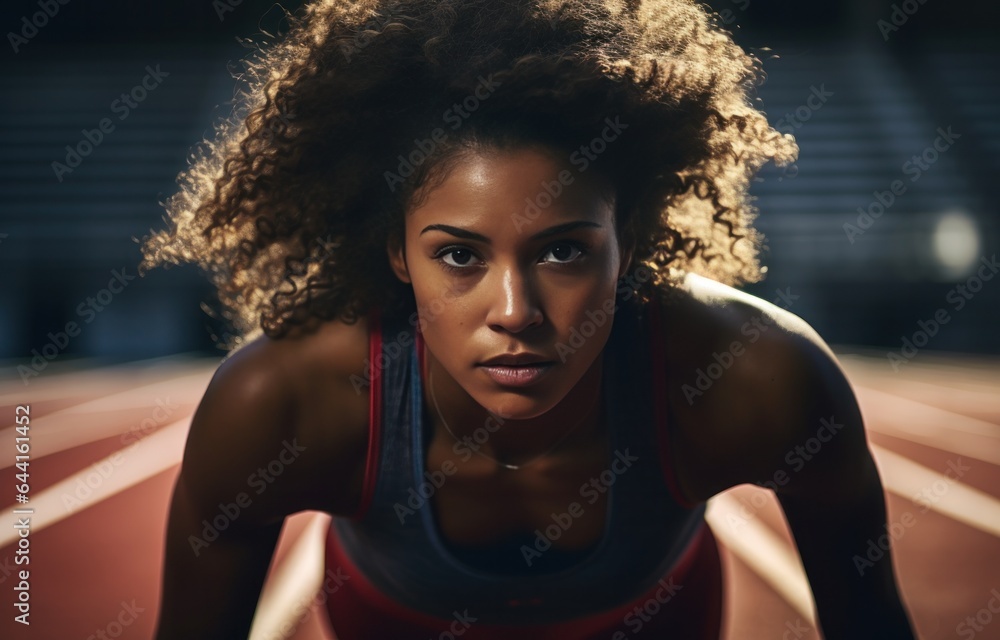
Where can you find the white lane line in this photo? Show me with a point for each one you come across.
(777, 563)
(766, 553)
(89, 379)
(946, 421)
(966, 402)
(105, 478)
(948, 496)
(961, 371)
(923, 424)
(94, 419)
(294, 583)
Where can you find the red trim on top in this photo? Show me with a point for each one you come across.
(660, 408)
(421, 361)
(358, 609)
(374, 414)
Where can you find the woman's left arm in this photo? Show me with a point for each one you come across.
(834, 503)
(836, 525)
(784, 410)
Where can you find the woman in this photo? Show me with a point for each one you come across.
(490, 247)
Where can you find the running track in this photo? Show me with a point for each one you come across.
(95, 557)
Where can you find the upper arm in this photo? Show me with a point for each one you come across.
(221, 534)
(832, 495)
(779, 412)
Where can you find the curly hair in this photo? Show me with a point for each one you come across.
(344, 122)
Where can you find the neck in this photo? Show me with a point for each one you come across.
(510, 441)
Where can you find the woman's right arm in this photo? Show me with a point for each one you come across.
(211, 592)
(224, 516)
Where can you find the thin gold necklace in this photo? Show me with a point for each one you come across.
(512, 467)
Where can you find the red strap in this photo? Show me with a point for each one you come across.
(421, 360)
(358, 609)
(374, 413)
(660, 408)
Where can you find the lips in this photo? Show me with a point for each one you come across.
(516, 369)
(516, 376)
(516, 360)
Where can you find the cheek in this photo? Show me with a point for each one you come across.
(584, 325)
(591, 296)
(443, 310)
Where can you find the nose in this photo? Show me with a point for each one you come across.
(514, 307)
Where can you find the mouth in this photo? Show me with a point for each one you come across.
(519, 375)
(515, 360)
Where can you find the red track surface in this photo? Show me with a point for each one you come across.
(95, 560)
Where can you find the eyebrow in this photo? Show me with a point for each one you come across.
(472, 235)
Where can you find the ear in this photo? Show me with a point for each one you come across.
(626, 262)
(627, 250)
(397, 259)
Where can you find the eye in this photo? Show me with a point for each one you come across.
(564, 252)
(456, 258)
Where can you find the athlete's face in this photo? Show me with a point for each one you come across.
(499, 265)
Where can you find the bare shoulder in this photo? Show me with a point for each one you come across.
(282, 425)
(747, 380)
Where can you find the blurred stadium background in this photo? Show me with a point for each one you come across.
(862, 97)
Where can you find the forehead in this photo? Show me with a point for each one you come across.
(514, 187)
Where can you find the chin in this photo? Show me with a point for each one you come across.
(517, 404)
(519, 409)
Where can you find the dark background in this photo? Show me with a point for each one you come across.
(887, 93)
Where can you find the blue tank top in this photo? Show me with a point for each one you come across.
(405, 556)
